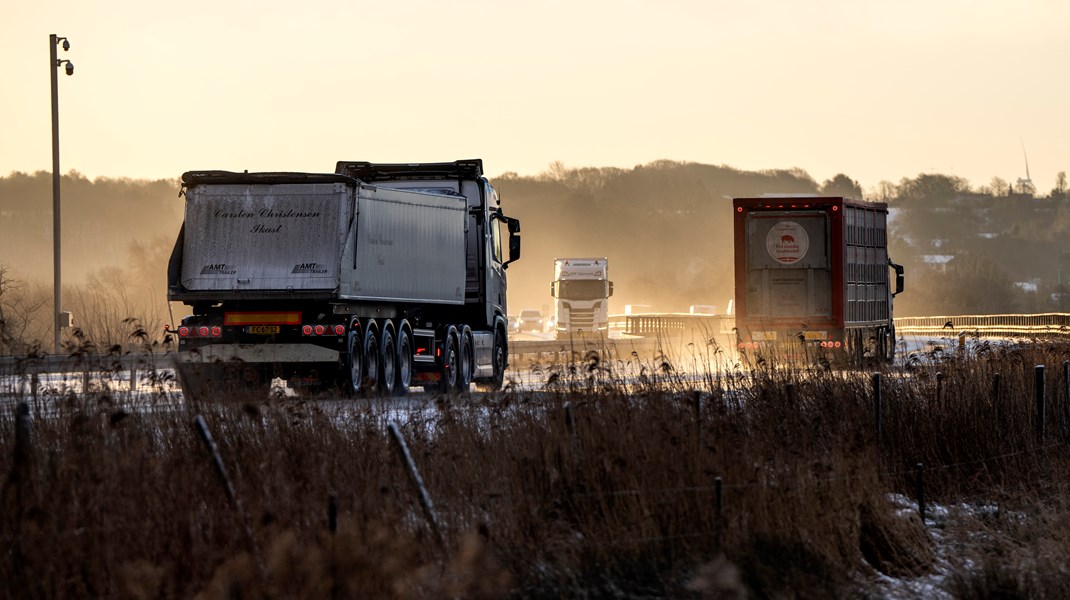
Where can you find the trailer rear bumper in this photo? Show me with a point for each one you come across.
(259, 353)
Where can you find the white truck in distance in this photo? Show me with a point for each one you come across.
(582, 289)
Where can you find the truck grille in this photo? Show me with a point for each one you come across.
(581, 320)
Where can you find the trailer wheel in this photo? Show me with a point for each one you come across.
(371, 357)
(404, 364)
(387, 361)
(448, 382)
(354, 373)
(466, 360)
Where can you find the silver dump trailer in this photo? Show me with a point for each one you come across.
(329, 280)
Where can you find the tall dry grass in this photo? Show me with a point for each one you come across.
(601, 481)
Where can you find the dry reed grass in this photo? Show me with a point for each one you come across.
(601, 483)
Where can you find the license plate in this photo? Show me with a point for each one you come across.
(264, 329)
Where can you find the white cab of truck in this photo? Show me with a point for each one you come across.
(582, 290)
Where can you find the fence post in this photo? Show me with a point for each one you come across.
(789, 391)
(418, 483)
(939, 389)
(1066, 401)
(877, 409)
(1040, 393)
(332, 514)
(698, 420)
(20, 471)
(228, 488)
(718, 508)
(574, 437)
(919, 476)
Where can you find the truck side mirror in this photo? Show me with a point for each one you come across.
(514, 248)
(610, 292)
(514, 239)
(553, 289)
(899, 278)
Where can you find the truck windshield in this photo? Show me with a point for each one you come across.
(582, 289)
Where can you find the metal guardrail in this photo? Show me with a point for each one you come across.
(62, 363)
(643, 334)
(1042, 325)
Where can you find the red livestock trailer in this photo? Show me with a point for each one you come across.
(812, 279)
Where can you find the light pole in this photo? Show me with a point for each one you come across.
(54, 64)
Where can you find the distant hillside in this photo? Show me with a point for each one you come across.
(665, 227)
(100, 220)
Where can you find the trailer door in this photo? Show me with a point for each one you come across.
(788, 268)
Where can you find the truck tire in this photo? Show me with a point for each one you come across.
(388, 358)
(405, 362)
(353, 375)
(450, 357)
(497, 358)
(467, 359)
(371, 356)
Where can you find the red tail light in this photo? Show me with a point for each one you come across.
(339, 330)
(217, 331)
(320, 329)
(183, 332)
(203, 332)
(306, 330)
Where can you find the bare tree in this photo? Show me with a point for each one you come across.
(20, 310)
(1059, 191)
(999, 187)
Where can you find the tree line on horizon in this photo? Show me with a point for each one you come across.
(665, 227)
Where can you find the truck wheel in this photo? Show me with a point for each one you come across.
(449, 364)
(354, 368)
(498, 358)
(466, 360)
(404, 364)
(371, 358)
(387, 360)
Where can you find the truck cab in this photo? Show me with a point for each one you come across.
(581, 288)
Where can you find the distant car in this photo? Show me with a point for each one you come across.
(530, 320)
(514, 323)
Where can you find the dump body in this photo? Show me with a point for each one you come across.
(582, 289)
(339, 241)
(812, 277)
(374, 277)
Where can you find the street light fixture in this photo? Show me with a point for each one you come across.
(61, 319)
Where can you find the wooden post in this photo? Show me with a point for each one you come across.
(1066, 401)
(332, 514)
(939, 388)
(718, 508)
(1041, 396)
(228, 488)
(20, 471)
(877, 409)
(698, 421)
(919, 476)
(418, 483)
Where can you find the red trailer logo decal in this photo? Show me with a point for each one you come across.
(787, 242)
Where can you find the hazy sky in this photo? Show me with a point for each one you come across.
(875, 89)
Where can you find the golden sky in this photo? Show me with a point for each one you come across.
(876, 89)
